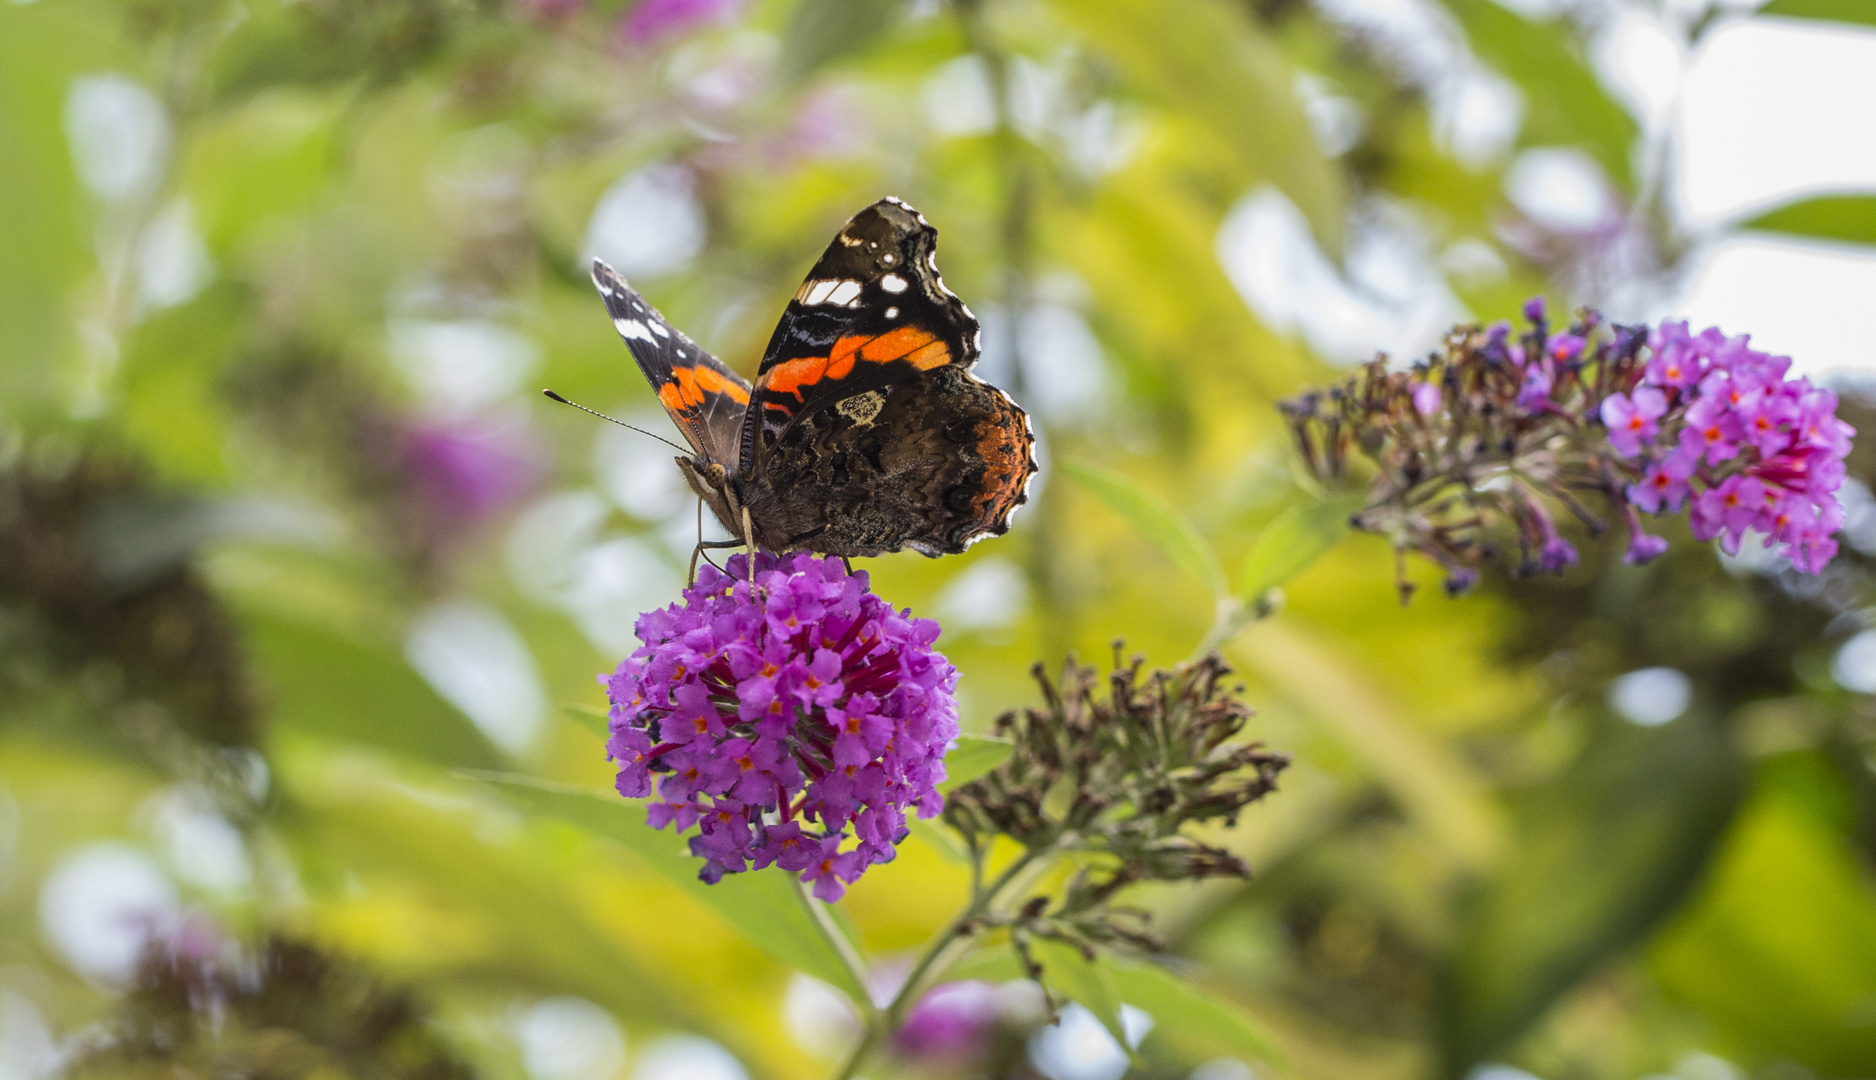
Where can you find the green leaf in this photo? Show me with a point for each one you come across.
(973, 756)
(1068, 974)
(1298, 537)
(356, 689)
(823, 31)
(1198, 1022)
(939, 839)
(1565, 104)
(761, 905)
(1826, 217)
(1211, 61)
(1601, 855)
(44, 212)
(1779, 949)
(591, 717)
(1429, 781)
(1154, 518)
(359, 830)
(1850, 11)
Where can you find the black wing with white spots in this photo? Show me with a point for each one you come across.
(872, 312)
(706, 399)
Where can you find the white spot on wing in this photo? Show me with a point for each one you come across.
(844, 293)
(819, 293)
(892, 313)
(632, 328)
(658, 328)
(892, 283)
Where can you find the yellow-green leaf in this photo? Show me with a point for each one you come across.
(1826, 217)
(759, 904)
(973, 756)
(1295, 539)
(1154, 518)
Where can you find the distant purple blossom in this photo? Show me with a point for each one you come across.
(1655, 421)
(466, 472)
(950, 1021)
(650, 22)
(1756, 451)
(784, 720)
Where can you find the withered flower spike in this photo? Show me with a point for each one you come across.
(1116, 781)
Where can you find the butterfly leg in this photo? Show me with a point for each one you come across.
(707, 545)
(749, 539)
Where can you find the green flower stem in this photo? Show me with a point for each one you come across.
(944, 949)
(843, 947)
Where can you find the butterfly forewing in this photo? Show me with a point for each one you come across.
(706, 399)
(872, 311)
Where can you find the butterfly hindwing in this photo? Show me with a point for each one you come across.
(934, 461)
(873, 311)
(705, 398)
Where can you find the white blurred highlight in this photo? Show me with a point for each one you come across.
(173, 262)
(1765, 115)
(557, 557)
(1854, 666)
(687, 1057)
(989, 595)
(569, 1038)
(475, 660)
(28, 1050)
(1080, 1047)
(1392, 300)
(1334, 119)
(1064, 376)
(1561, 189)
(459, 367)
(637, 472)
(119, 135)
(202, 847)
(1800, 298)
(101, 905)
(1495, 1071)
(1650, 697)
(610, 584)
(1222, 1069)
(1476, 112)
(1641, 59)
(819, 1018)
(648, 223)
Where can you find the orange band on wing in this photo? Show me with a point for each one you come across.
(690, 385)
(921, 347)
(896, 343)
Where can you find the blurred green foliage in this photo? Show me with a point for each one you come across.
(228, 226)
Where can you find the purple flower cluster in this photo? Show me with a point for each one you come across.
(1716, 423)
(782, 715)
(1501, 429)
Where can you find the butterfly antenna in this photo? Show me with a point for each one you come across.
(556, 397)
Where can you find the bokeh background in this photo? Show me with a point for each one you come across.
(289, 542)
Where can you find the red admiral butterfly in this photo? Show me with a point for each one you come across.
(865, 431)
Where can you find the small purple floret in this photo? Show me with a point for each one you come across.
(784, 720)
(1715, 421)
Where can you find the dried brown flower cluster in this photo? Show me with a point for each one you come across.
(287, 1011)
(1114, 783)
